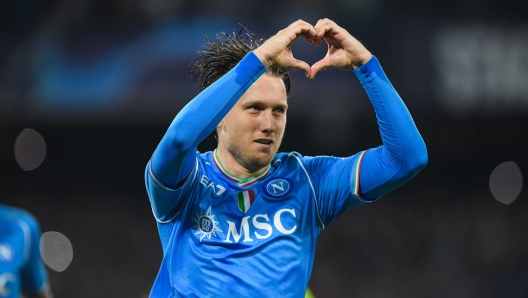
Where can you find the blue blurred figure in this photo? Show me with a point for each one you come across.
(22, 272)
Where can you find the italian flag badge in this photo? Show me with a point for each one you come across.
(245, 199)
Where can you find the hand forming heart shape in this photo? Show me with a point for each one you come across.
(344, 51)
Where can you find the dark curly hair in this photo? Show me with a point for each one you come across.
(219, 56)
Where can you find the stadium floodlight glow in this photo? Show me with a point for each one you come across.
(506, 182)
(30, 149)
(56, 250)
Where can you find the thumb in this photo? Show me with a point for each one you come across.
(299, 64)
(318, 66)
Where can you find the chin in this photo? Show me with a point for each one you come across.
(262, 160)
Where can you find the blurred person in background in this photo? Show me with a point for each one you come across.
(22, 272)
(243, 220)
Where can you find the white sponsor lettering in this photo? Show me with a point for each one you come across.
(278, 223)
(260, 225)
(244, 226)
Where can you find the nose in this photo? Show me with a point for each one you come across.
(267, 125)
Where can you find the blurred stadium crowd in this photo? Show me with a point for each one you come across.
(101, 81)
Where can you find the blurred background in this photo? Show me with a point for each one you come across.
(100, 81)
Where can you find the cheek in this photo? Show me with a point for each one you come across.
(281, 125)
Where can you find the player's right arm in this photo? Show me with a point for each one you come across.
(174, 159)
(175, 156)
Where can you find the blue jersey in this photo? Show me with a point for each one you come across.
(227, 237)
(254, 237)
(21, 269)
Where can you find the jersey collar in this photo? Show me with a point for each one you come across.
(239, 181)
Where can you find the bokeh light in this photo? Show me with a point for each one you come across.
(30, 149)
(56, 250)
(506, 182)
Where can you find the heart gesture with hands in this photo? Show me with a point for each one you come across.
(344, 51)
(276, 51)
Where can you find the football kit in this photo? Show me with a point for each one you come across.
(223, 236)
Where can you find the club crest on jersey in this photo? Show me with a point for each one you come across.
(206, 225)
(278, 188)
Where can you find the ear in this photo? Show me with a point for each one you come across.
(219, 127)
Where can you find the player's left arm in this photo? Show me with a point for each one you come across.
(403, 153)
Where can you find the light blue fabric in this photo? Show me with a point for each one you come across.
(212, 248)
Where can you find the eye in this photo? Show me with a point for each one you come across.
(253, 108)
(279, 111)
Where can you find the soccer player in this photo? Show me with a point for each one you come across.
(22, 273)
(243, 220)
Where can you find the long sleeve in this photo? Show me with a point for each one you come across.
(199, 118)
(403, 153)
(174, 158)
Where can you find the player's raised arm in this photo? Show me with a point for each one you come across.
(174, 158)
(403, 153)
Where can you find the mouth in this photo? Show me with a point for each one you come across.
(266, 143)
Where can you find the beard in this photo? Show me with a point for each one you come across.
(250, 158)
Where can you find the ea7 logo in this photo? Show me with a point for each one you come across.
(218, 189)
(259, 222)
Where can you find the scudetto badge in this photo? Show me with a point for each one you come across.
(278, 188)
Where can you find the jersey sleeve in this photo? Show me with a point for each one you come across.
(167, 201)
(336, 184)
(172, 163)
(344, 183)
(33, 273)
(403, 153)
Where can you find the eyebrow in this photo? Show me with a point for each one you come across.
(260, 103)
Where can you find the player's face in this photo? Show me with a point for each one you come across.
(252, 131)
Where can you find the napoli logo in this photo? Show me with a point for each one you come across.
(278, 187)
(206, 225)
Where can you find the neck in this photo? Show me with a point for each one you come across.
(228, 163)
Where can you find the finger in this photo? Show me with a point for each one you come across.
(322, 23)
(301, 27)
(299, 64)
(324, 29)
(318, 66)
